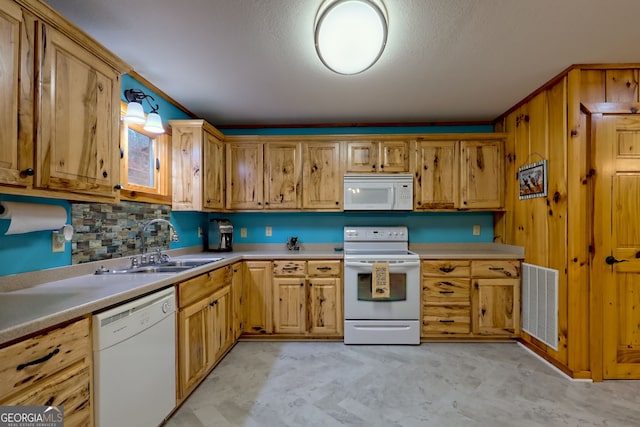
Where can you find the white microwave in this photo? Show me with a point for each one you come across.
(378, 192)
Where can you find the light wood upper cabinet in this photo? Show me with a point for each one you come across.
(458, 174)
(16, 95)
(482, 174)
(198, 166)
(322, 176)
(377, 156)
(282, 175)
(245, 174)
(437, 175)
(77, 142)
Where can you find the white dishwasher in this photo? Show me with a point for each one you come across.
(134, 350)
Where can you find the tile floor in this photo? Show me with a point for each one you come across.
(277, 384)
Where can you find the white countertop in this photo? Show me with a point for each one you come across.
(31, 302)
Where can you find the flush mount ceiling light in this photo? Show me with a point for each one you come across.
(350, 35)
(135, 112)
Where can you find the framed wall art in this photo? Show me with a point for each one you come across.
(532, 180)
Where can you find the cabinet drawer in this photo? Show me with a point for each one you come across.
(446, 268)
(289, 268)
(445, 291)
(202, 286)
(69, 388)
(446, 320)
(324, 268)
(493, 268)
(35, 359)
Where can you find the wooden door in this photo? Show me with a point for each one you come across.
(236, 293)
(394, 156)
(496, 307)
(16, 95)
(186, 159)
(214, 172)
(282, 175)
(257, 297)
(437, 175)
(245, 176)
(322, 176)
(193, 345)
(481, 175)
(616, 261)
(221, 330)
(362, 156)
(289, 305)
(77, 143)
(325, 306)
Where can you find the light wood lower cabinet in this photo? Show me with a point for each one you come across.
(53, 368)
(205, 326)
(256, 303)
(477, 298)
(307, 297)
(237, 286)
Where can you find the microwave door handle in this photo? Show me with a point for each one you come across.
(393, 196)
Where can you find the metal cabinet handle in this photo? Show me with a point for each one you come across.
(323, 268)
(447, 269)
(612, 260)
(43, 359)
(446, 292)
(496, 268)
(446, 321)
(212, 303)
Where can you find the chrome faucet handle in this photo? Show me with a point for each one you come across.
(152, 259)
(134, 262)
(143, 259)
(164, 258)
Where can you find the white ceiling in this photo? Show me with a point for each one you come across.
(248, 62)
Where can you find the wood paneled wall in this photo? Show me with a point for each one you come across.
(556, 230)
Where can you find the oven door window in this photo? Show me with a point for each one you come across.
(398, 287)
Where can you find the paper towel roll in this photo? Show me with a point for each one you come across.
(28, 217)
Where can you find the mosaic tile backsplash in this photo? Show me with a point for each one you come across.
(105, 231)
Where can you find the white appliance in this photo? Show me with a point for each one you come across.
(135, 361)
(378, 192)
(369, 319)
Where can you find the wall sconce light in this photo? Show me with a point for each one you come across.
(350, 35)
(135, 112)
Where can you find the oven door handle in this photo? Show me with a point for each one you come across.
(392, 266)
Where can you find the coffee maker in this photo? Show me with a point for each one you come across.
(220, 235)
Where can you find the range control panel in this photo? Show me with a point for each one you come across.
(376, 234)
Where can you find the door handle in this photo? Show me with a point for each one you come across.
(612, 260)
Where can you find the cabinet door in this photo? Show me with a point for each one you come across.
(193, 345)
(70, 388)
(77, 143)
(394, 156)
(245, 176)
(437, 183)
(322, 176)
(362, 156)
(325, 305)
(282, 175)
(289, 305)
(214, 172)
(222, 328)
(496, 307)
(257, 297)
(186, 160)
(481, 176)
(16, 95)
(236, 293)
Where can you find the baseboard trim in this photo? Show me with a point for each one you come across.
(553, 367)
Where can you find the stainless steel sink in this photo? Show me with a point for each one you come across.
(172, 266)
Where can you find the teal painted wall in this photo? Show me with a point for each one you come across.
(315, 227)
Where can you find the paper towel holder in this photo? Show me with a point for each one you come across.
(65, 232)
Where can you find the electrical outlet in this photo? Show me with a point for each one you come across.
(268, 231)
(199, 231)
(243, 232)
(476, 230)
(57, 242)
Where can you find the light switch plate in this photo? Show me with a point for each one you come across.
(476, 230)
(268, 231)
(199, 231)
(57, 242)
(243, 232)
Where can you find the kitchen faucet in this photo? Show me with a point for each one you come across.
(161, 257)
